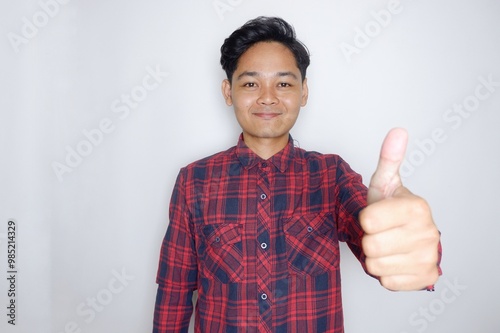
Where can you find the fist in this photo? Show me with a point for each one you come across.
(401, 241)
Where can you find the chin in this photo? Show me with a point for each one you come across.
(273, 135)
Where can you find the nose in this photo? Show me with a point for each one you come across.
(267, 96)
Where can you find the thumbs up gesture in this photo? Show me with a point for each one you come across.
(401, 240)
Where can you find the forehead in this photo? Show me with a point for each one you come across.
(267, 57)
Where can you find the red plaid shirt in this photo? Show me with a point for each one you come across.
(259, 240)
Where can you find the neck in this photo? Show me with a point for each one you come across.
(265, 148)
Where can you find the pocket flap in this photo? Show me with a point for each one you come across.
(218, 235)
(309, 224)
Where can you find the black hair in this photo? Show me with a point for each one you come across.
(262, 29)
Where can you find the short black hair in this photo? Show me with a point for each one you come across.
(262, 29)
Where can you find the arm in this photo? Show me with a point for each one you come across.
(177, 271)
(350, 198)
(389, 229)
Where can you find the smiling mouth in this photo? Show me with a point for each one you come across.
(266, 115)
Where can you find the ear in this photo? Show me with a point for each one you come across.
(305, 92)
(226, 92)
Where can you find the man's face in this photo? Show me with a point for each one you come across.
(266, 92)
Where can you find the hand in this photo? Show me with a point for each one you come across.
(401, 240)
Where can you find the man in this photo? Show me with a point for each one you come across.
(255, 229)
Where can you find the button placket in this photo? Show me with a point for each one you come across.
(264, 220)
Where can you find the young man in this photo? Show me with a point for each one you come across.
(255, 229)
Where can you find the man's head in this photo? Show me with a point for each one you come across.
(262, 29)
(266, 82)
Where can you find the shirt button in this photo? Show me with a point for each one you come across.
(309, 229)
(263, 196)
(217, 239)
(263, 246)
(264, 164)
(263, 297)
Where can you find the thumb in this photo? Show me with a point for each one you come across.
(386, 178)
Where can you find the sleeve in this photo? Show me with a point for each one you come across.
(177, 269)
(350, 196)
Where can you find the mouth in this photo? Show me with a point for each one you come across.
(266, 115)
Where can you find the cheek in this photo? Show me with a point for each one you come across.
(243, 102)
(292, 103)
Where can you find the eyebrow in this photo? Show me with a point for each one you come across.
(256, 74)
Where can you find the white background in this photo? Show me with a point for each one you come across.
(107, 216)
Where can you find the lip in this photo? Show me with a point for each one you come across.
(266, 115)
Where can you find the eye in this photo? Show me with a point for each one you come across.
(284, 85)
(250, 85)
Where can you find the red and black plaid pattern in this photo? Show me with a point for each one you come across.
(259, 241)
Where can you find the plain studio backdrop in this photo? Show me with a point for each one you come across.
(102, 102)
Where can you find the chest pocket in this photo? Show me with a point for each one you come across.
(221, 252)
(311, 244)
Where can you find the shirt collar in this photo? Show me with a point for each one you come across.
(249, 159)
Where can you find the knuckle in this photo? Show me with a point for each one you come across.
(431, 239)
(430, 258)
(434, 276)
(365, 221)
(390, 283)
(370, 246)
(420, 207)
(429, 277)
(371, 266)
(435, 235)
